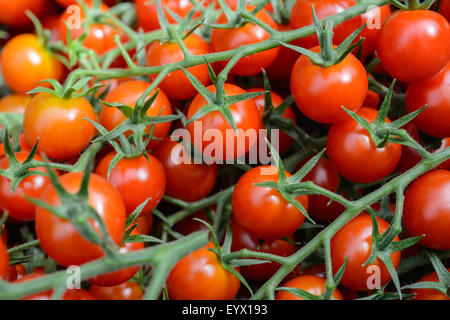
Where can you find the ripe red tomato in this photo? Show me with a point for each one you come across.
(242, 239)
(147, 13)
(427, 211)
(176, 85)
(263, 211)
(179, 166)
(12, 13)
(188, 225)
(59, 125)
(354, 241)
(136, 180)
(444, 9)
(301, 16)
(429, 294)
(410, 157)
(215, 137)
(414, 44)
(325, 175)
(32, 186)
(126, 291)
(312, 284)
(59, 238)
(206, 280)
(435, 94)
(228, 39)
(25, 55)
(144, 223)
(321, 92)
(355, 156)
(374, 18)
(15, 103)
(4, 261)
(128, 93)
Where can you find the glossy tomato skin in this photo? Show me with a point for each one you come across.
(242, 239)
(301, 16)
(263, 211)
(429, 294)
(325, 175)
(126, 291)
(351, 150)
(15, 103)
(246, 117)
(144, 223)
(374, 18)
(25, 55)
(12, 13)
(414, 44)
(59, 238)
(4, 261)
(312, 284)
(321, 92)
(128, 93)
(435, 94)
(183, 174)
(147, 14)
(136, 179)
(200, 276)
(176, 85)
(32, 186)
(354, 241)
(426, 210)
(228, 39)
(59, 125)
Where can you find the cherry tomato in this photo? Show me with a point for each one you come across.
(4, 261)
(444, 9)
(147, 13)
(200, 276)
(354, 241)
(59, 124)
(136, 180)
(126, 291)
(15, 103)
(32, 186)
(22, 143)
(263, 211)
(188, 225)
(12, 13)
(444, 144)
(426, 209)
(144, 223)
(429, 294)
(225, 143)
(301, 16)
(176, 85)
(312, 284)
(372, 100)
(414, 44)
(352, 151)
(128, 93)
(25, 61)
(244, 240)
(51, 23)
(325, 175)
(410, 157)
(435, 94)
(59, 238)
(179, 166)
(227, 39)
(374, 18)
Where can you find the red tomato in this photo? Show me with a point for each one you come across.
(144, 223)
(15, 103)
(59, 238)
(120, 276)
(206, 280)
(136, 180)
(410, 157)
(176, 85)
(374, 18)
(444, 144)
(301, 16)
(126, 291)
(147, 13)
(12, 13)
(188, 225)
(444, 9)
(32, 186)
(414, 44)
(427, 211)
(128, 93)
(244, 240)
(354, 241)
(311, 284)
(51, 23)
(25, 55)
(355, 156)
(228, 39)
(22, 143)
(325, 175)
(225, 143)
(263, 211)
(435, 94)
(59, 124)
(179, 166)
(321, 92)
(4, 261)
(429, 294)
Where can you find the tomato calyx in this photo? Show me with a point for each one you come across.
(413, 4)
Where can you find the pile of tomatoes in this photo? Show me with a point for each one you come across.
(65, 122)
